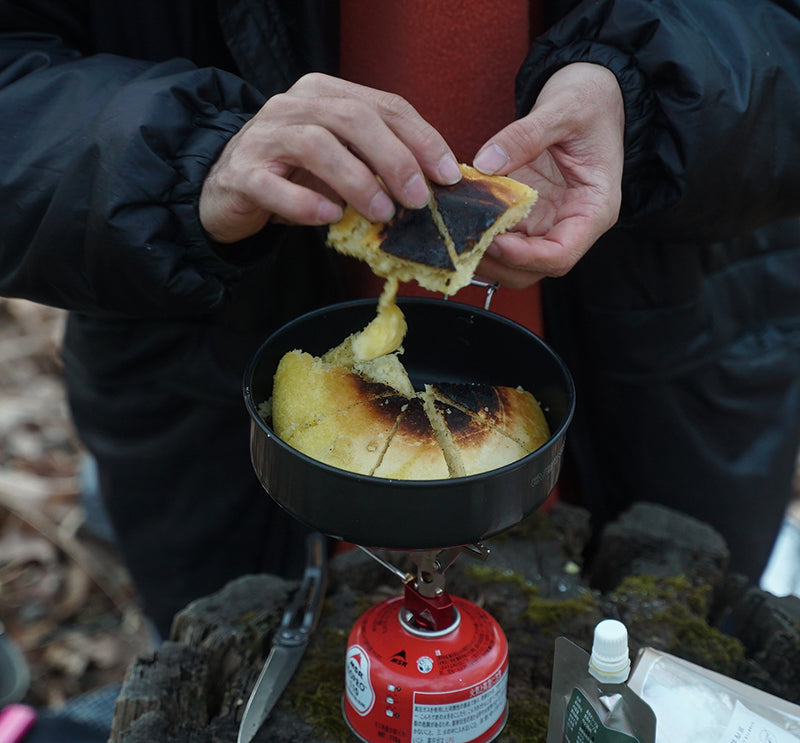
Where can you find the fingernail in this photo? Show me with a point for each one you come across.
(416, 191)
(490, 159)
(328, 212)
(449, 171)
(493, 251)
(381, 208)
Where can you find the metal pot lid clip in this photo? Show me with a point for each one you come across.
(490, 286)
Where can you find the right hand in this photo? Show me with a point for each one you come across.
(322, 144)
(570, 148)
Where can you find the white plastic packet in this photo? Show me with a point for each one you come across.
(695, 704)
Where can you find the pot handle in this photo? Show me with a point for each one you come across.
(490, 286)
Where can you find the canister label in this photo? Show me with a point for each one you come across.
(460, 715)
(358, 685)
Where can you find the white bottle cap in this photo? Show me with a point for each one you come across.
(610, 659)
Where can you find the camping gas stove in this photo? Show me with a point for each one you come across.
(423, 667)
(426, 667)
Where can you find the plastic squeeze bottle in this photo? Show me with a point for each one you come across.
(590, 701)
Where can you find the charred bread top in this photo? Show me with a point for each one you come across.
(440, 245)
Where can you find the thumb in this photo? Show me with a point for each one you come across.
(519, 143)
(571, 102)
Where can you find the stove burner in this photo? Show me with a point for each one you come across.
(408, 621)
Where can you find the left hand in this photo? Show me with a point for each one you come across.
(570, 149)
(323, 143)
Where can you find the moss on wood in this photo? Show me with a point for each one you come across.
(316, 690)
(682, 608)
(527, 721)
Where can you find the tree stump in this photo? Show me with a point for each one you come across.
(194, 687)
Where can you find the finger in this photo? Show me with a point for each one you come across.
(426, 144)
(553, 254)
(347, 144)
(319, 151)
(580, 99)
(232, 209)
(521, 142)
(490, 269)
(228, 218)
(293, 203)
(397, 144)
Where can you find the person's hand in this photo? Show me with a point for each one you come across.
(570, 149)
(323, 143)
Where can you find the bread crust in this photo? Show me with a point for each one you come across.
(470, 445)
(353, 439)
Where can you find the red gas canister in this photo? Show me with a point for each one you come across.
(404, 684)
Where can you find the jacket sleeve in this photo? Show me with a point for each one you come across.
(101, 162)
(712, 106)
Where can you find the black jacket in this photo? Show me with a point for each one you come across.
(113, 112)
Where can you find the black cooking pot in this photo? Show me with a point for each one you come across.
(446, 342)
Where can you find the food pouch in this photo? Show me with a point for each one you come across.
(698, 705)
(590, 701)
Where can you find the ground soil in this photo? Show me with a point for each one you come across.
(66, 600)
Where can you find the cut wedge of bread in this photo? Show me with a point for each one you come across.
(511, 411)
(413, 452)
(470, 446)
(440, 245)
(306, 389)
(353, 439)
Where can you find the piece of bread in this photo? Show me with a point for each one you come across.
(306, 389)
(511, 411)
(386, 369)
(438, 246)
(354, 438)
(413, 452)
(470, 445)
(338, 417)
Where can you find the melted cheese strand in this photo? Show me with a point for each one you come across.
(385, 333)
